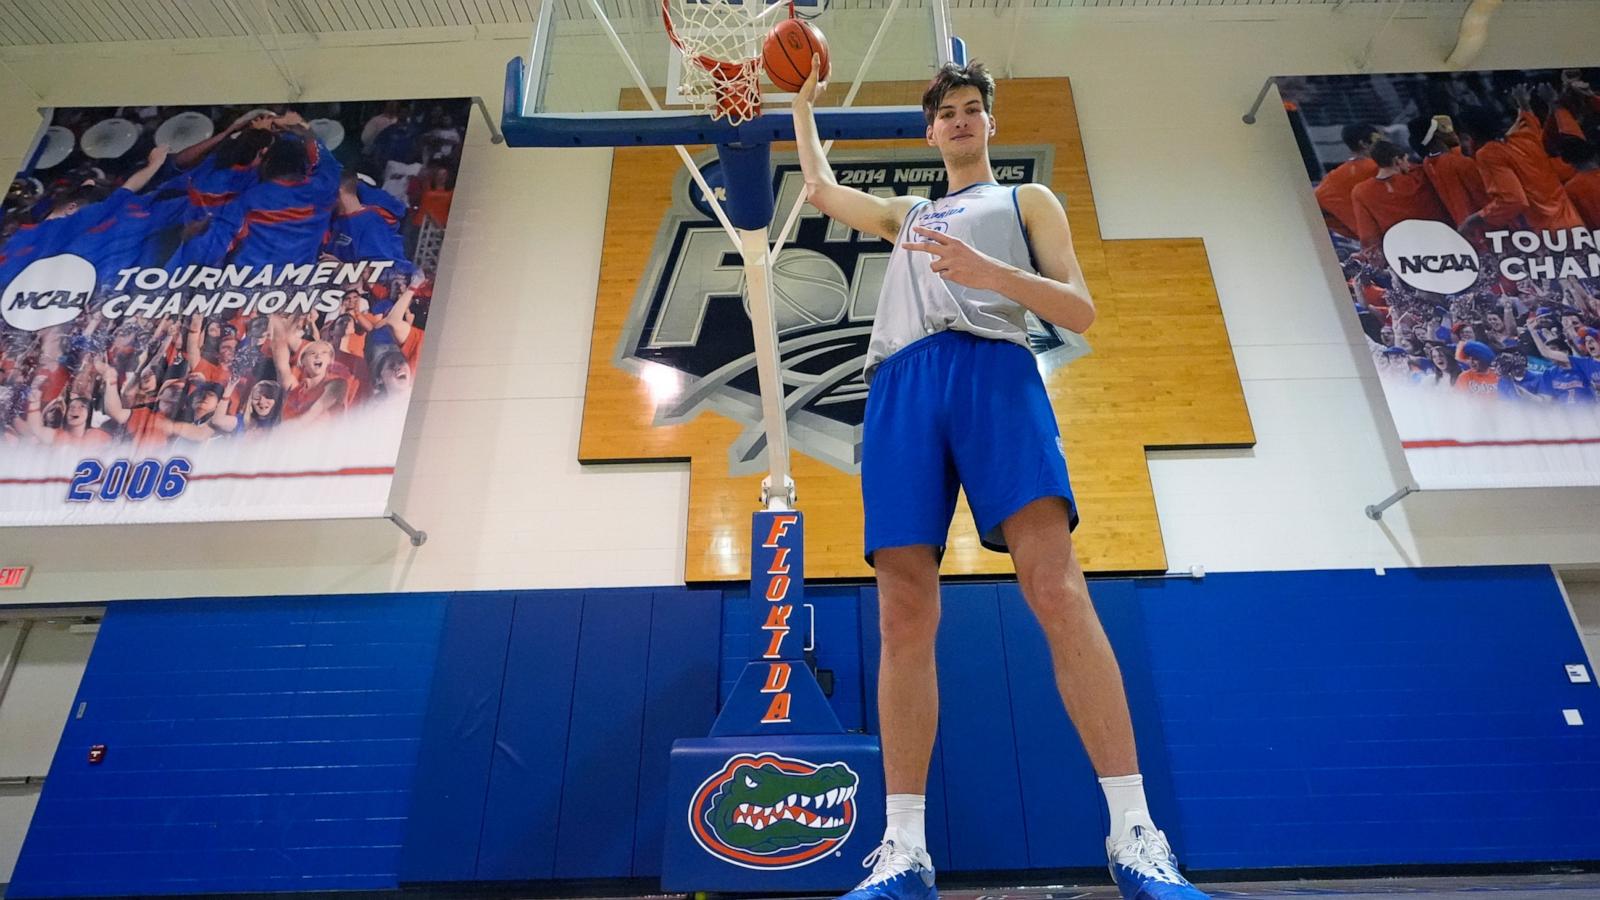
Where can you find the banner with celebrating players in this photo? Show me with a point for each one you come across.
(1465, 211)
(217, 312)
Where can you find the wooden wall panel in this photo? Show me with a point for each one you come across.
(1160, 374)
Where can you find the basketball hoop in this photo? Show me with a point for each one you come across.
(721, 45)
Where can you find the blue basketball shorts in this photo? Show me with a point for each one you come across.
(955, 411)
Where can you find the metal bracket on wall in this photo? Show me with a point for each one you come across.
(418, 537)
(8, 663)
(495, 135)
(1261, 95)
(275, 52)
(22, 781)
(1375, 511)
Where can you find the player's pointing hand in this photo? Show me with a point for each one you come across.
(954, 259)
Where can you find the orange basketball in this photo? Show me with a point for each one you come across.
(787, 53)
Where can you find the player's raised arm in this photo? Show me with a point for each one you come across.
(860, 210)
(137, 181)
(112, 399)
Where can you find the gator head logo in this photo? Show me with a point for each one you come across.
(764, 811)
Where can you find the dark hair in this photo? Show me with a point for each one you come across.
(1575, 150)
(1480, 124)
(191, 400)
(82, 195)
(1415, 129)
(951, 77)
(286, 158)
(242, 148)
(1356, 135)
(1386, 154)
(271, 390)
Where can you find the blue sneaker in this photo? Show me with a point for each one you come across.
(898, 873)
(1144, 868)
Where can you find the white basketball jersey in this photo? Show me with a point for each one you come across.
(916, 302)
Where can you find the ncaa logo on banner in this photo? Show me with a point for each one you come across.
(50, 291)
(765, 811)
(1430, 256)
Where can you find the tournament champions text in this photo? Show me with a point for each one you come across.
(214, 313)
(203, 290)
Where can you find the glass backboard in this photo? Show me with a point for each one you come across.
(577, 87)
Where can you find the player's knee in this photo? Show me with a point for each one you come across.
(907, 621)
(908, 596)
(1056, 602)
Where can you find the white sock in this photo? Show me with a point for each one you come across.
(1125, 800)
(906, 827)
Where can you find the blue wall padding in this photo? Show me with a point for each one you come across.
(680, 701)
(458, 739)
(252, 745)
(1061, 800)
(1292, 719)
(1345, 718)
(983, 806)
(597, 686)
(935, 817)
(1117, 604)
(529, 745)
(600, 790)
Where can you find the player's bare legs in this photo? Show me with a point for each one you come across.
(908, 688)
(908, 719)
(1086, 670)
(1090, 683)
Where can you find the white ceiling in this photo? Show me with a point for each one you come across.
(39, 22)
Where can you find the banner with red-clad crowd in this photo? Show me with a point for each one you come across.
(1465, 212)
(217, 312)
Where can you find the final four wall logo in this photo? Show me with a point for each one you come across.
(689, 325)
(764, 811)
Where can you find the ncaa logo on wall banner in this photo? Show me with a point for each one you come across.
(49, 292)
(1430, 256)
(765, 811)
(689, 323)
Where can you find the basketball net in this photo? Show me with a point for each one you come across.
(721, 43)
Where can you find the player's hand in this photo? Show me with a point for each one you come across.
(1521, 95)
(812, 89)
(158, 155)
(954, 259)
(247, 120)
(1547, 93)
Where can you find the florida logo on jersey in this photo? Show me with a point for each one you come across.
(689, 313)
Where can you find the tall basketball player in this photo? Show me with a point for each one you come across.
(956, 401)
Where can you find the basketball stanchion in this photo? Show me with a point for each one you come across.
(767, 802)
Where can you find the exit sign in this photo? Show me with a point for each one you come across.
(13, 576)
